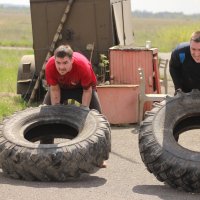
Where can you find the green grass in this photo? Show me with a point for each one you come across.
(9, 105)
(9, 62)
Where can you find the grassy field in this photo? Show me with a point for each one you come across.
(164, 34)
(9, 105)
(9, 62)
(16, 27)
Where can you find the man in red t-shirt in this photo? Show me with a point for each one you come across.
(70, 76)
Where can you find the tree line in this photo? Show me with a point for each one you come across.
(165, 15)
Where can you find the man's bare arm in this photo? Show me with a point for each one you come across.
(87, 95)
(55, 94)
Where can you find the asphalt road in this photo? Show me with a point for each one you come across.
(125, 178)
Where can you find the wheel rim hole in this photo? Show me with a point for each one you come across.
(50, 133)
(187, 132)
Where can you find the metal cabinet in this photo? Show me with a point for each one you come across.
(120, 102)
(124, 62)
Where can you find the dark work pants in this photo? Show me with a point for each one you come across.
(75, 94)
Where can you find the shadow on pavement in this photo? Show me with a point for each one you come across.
(85, 181)
(164, 192)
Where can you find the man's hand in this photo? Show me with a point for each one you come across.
(84, 107)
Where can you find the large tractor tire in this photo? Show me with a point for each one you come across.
(158, 141)
(85, 143)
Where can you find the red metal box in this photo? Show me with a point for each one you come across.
(119, 103)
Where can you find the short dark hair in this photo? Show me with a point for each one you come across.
(195, 36)
(63, 50)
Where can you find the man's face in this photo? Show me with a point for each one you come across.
(195, 50)
(63, 65)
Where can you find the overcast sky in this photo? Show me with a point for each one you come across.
(185, 6)
(18, 2)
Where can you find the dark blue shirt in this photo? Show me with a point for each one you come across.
(185, 72)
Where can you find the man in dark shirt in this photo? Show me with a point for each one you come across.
(184, 64)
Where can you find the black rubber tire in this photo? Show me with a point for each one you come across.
(22, 159)
(163, 156)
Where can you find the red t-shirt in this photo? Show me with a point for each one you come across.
(81, 74)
